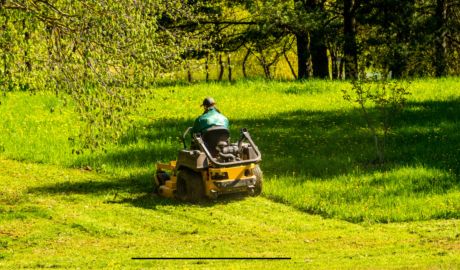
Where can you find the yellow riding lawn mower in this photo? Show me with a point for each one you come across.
(212, 166)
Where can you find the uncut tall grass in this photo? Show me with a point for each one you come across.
(317, 150)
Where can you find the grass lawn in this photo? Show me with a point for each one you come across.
(68, 218)
(317, 151)
(325, 204)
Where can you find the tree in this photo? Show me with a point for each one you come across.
(102, 54)
(387, 98)
(350, 47)
(421, 30)
(388, 25)
(308, 21)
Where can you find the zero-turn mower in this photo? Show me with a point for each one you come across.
(213, 166)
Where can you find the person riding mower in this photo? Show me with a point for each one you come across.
(211, 117)
(212, 166)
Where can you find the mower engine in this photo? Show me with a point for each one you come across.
(232, 152)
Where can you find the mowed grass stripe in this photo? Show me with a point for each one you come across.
(52, 217)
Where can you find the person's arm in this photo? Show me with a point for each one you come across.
(196, 127)
(227, 124)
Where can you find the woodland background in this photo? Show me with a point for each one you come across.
(107, 56)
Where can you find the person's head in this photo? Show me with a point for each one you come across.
(209, 103)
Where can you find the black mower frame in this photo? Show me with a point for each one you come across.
(244, 136)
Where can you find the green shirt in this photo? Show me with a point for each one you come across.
(209, 119)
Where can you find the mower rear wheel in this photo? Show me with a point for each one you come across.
(190, 186)
(259, 181)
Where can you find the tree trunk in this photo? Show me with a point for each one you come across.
(49, 31)
(244, 63)
(350, 47)
(267, 72)
(190, 78)
(221, 67)
(303, 54)
(6, 71)
(340, 76)
(398, 65)
(458, 61)
(26, 39)
(319, 59)
(265, 66)
(229, 68)
(334, 65)
(441, 58)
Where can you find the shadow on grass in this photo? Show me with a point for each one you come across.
(317, 143)
(135, 191)
(150, 201)
(314, 145)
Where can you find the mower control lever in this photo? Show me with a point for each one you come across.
(183, 137)
(243, 131)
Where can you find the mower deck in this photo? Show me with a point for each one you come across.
(169, 189)
(222, 180)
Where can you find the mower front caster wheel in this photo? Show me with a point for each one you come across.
(214, 194)
(162, 178)
(189, 186)
(258, 184)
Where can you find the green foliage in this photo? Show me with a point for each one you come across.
(103, 57)
(406, 30)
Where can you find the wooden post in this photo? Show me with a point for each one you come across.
(207, 68)
(229, 68)
(221, 67)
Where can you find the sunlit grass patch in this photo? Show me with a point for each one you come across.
(401, 194)
(54, 217)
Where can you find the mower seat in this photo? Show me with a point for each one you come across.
(212, 136)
